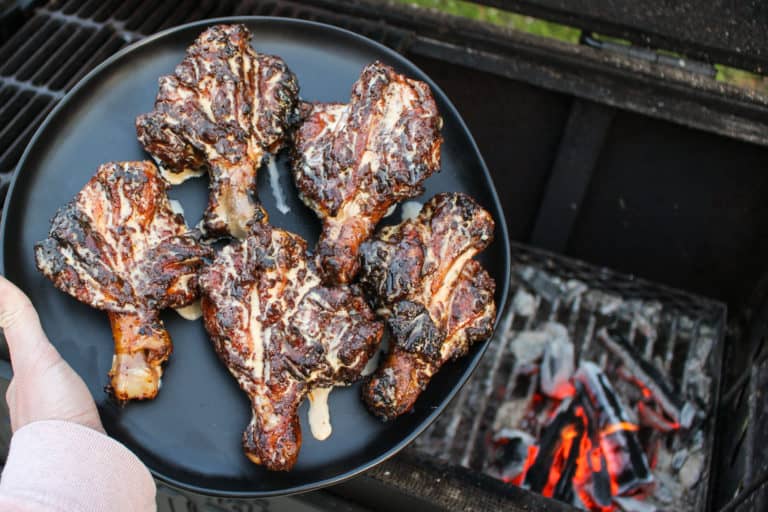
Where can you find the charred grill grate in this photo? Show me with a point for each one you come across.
(64, 40)
(682, 335)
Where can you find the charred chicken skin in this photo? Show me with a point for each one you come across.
(224, 109)
(119, 247)
(281, 334)
(436, 298)
(353, 161)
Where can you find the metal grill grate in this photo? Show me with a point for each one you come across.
(64, 40)
(680, 333)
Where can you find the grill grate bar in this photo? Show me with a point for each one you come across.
(116, 26)
(181, 14)
(70, 7)
(101, 45)
(29, 47)
(24, 34)
(58, 58)
(143, 11)
(10, 110)
(487, 391)
(69, 18)
(106, 10)
(45, 53)
(88, 9)
(13, 151)
(39, 90)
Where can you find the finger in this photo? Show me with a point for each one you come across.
(9, 394)
(27, 342)
(10, 400)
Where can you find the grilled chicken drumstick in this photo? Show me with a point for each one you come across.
(119, 247)
(352, 162)
(282, 334)
(224, 108)
(437, 300)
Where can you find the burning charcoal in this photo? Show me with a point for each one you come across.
(678, 459)
(510, 414)
(690, 473)
(645, 373)
(557, 364)
(570, 459)
(548, 287)
(509, 454)
(649, 417)
(687, 415)
(625, 458)
(524, 304)
(528, 347)
(555, 446)
(594, 481)
(633, 505)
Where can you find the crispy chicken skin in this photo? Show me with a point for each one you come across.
(351, 162)
(437, 300)
(281, 334)
(119, 247)
(225, 107)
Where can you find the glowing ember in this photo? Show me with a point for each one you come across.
(622, 425)
(588, 451)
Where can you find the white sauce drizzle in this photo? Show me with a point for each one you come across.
(257, 338)
(176, 207)
(372, 364)
(319, 416)
(274, 184)
(191, 312)
(177, 178)
(410, 210)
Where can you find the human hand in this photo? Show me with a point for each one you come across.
(44, 386)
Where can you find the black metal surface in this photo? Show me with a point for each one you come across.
(417, 481)
(743, 425)
(582, 142)
(714, 31)
(676, 206)
(190, 435)
(616, 79)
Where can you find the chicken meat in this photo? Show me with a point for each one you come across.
(120, 247)
(436, 298)
(352, 162)
(282, 334)
(225, 108)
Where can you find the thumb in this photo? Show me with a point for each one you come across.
(27, 342)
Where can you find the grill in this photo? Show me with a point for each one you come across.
(615, 155)
(682, 333)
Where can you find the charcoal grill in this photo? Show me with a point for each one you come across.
(606, 155)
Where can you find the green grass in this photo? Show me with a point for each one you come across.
(565, 33)
(742, 78)
(500, 18)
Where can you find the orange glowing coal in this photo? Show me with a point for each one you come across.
(622, 425)
(583, 457)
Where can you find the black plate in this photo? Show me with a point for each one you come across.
(190, 435)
